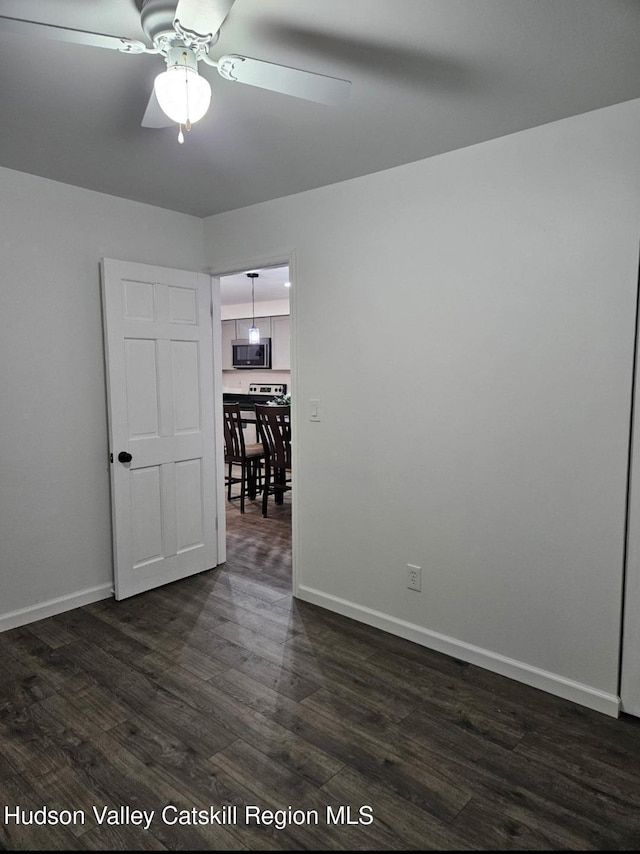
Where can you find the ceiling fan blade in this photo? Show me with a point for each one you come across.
(281, 78)
(32, 29)
(154, 117)
(202, 17)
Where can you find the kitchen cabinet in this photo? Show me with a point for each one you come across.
(280, 346)
(278, 328)
(228, 335)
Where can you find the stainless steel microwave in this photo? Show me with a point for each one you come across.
(247, 355)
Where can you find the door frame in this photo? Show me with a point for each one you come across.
(216, 320)
(629, 673)
(275, 259)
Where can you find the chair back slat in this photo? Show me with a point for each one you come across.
(234, 447)
(274, 426)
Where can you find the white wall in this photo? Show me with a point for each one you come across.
(468, 323)
(266, 308)
(55, 524)
(484, 298)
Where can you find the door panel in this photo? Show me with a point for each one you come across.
(159, 355)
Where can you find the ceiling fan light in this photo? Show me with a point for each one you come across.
(184, 96)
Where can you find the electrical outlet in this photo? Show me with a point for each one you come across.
(414, 577)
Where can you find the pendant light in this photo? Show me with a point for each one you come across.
(254, 332)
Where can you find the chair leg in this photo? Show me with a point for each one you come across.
(279, 481)
(265, 487)
(243, 481)
(251, 477)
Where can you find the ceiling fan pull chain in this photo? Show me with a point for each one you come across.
(180, 135)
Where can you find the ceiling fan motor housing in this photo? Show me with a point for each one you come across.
(156, 19)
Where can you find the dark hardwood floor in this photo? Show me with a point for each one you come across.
(222, 691)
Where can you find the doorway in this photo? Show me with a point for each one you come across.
(257, 297)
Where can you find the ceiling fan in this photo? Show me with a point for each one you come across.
(183, 33)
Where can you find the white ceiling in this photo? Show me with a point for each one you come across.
(269, 285)
(428, 76)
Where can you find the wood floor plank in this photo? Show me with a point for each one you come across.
(249, 602)
(105, 773)
(275, 741)
(429, 787)
(108, 637)
(278, 789)
(539, 710)
(216, 611)
(524, 795)
(140, 623)
(222, 689)
(105, 838)
(431, 736)
(614, 765)
(318, 621)
(15, 793)
(32, 752)
(232, 583)
(235, 719)
(98, 706)
(451, 708)
(52, 632)
(146, 697)
(17, 693)
(188, 658)
(323, 664)
(477, 711)
(580, 797)
(412, 827)
(206, 783)
(363, 684)
(265, 665)
(42, 660)
(483, 824)
(256, 574)
(465, 764)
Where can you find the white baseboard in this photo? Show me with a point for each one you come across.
(33, 613)
(552, 683)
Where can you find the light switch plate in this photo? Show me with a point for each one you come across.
(314, 410)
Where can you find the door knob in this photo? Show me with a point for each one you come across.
(124, 457)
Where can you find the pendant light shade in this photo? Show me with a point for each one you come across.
(254, 332)
(183, 95)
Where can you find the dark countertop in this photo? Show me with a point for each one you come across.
(244, 399)
(247, 403)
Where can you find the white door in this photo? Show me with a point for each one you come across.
(159, 357)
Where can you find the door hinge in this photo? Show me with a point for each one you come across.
(110, 458)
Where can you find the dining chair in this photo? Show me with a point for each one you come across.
(274, 429)
(248, 456)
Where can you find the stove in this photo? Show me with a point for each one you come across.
(267, 390)
(258, 393)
